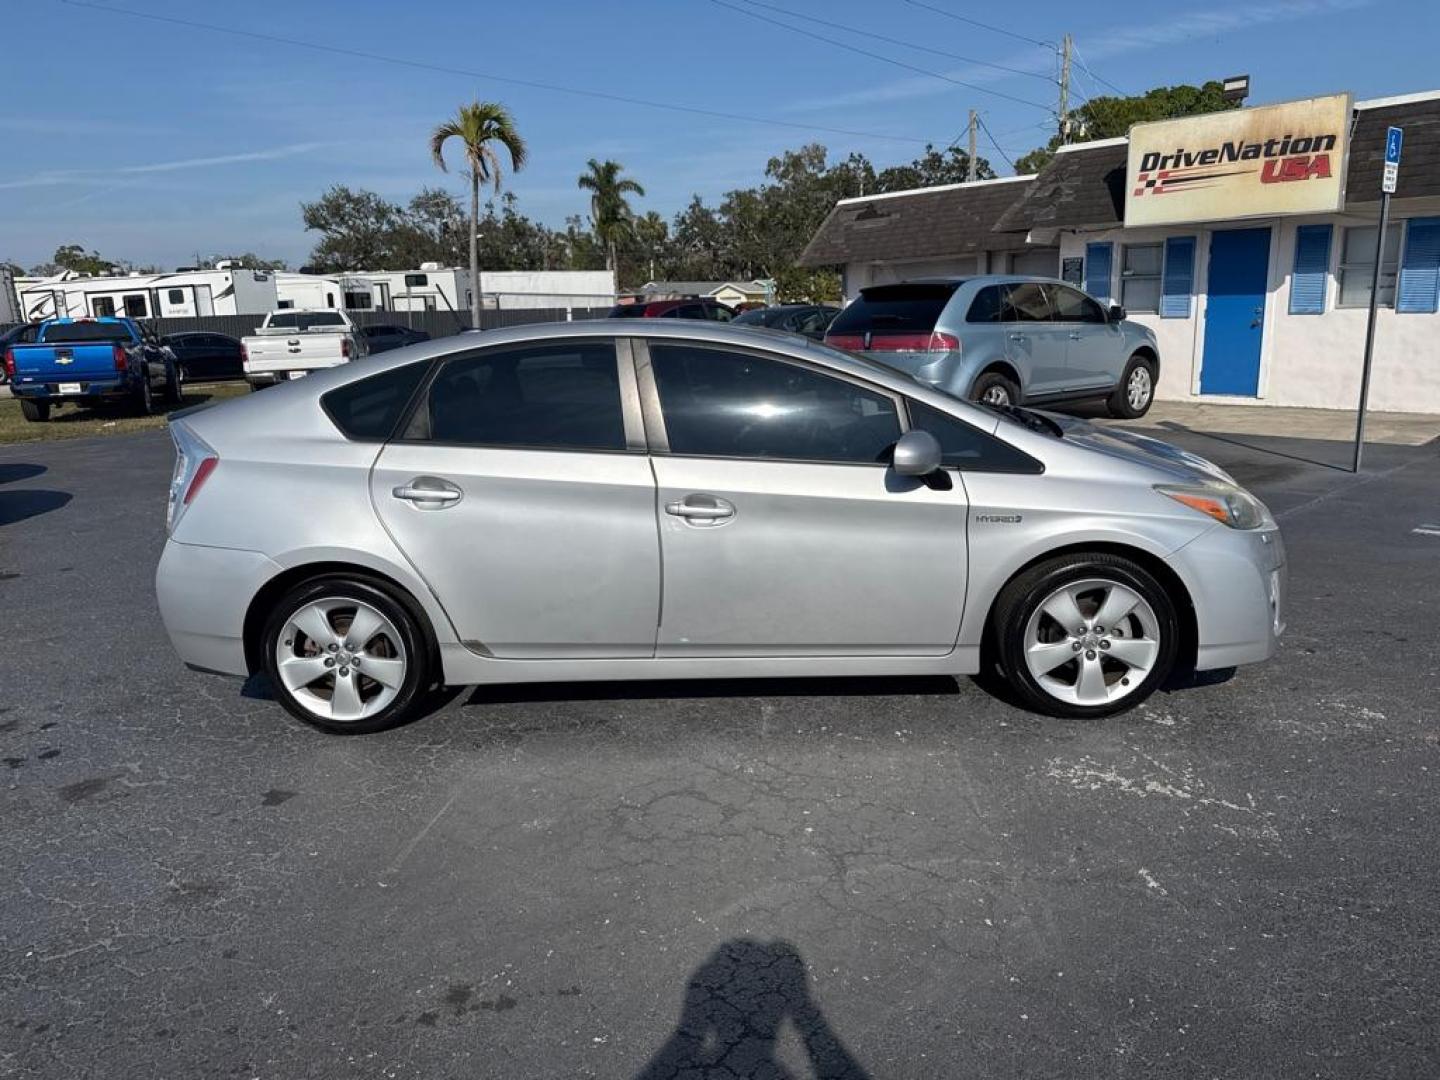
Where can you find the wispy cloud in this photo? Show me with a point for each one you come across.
(63, 177)
(1102, 45)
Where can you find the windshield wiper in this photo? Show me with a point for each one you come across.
(1028, 418)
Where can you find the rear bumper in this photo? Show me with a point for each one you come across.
(1238, 584)
(204, 593)
(26, 386)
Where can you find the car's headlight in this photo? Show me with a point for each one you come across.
(1228, 504)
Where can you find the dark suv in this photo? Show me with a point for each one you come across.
(692, 308)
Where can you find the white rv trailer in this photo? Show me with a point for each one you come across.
(235, 291)
(314, 292)
(9, 298)
(437, 288)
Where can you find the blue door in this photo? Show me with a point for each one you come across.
(1235, 312)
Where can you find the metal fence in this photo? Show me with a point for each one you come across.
(437, 323)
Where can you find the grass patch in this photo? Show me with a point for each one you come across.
(77, 422)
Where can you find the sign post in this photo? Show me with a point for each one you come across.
(1394, 140)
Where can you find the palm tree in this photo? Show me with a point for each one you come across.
(610, 214)
(479, 125)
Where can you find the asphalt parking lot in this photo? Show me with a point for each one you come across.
(882, 878)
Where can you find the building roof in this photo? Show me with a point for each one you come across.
(1082, 185)
(1085, 184)
(1419, 115)
(949, 220)
(700, 288)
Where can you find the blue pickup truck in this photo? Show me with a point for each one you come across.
(89, 362)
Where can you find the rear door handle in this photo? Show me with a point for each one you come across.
(1017, 337)
(1075, 335)
(701, 508)
(429, 493)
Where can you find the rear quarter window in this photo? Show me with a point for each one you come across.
(369, 409)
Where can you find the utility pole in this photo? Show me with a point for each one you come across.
(970, 165)
(1067, 47)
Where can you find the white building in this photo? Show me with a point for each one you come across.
(1255, 309)
(187, 293)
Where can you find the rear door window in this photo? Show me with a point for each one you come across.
(560, 396)
(722, 403)
(1027, 301)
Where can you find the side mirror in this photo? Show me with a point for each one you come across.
(1117, 313)
(917, 453)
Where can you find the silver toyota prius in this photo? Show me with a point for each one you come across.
(585, 501)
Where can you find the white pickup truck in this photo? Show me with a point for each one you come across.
(291, 343)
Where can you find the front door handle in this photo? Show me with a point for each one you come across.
(704, 509)
(429, 493)
(1075, 335)
(1017, 337)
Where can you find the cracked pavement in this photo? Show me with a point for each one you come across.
(837, 878)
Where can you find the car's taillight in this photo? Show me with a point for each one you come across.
(852, 342)
(121, 359)
(944, 342)
(195, 460)
(10, 363)
(345, 348)
(202, 473)
(244, 354)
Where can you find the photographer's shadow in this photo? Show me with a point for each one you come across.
(735, 1004)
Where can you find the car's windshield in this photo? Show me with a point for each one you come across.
(79, 332)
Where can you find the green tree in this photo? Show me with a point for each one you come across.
(933, 168)
(480, 126)
(611, 218)
(357, 229)
(249, 260)
(1111, 117)
(76, 258)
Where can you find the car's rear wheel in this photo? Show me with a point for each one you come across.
(993, 388)
(1133, 395)
(174, 390)
(1085, 635)
(144, 395)
(35, 411)
(345, 655)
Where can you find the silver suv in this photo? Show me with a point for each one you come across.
(1005, 340)
(673, 500)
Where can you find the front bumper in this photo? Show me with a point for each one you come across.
(1238, 583)
(204, 594)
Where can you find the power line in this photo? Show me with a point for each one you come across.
(876, 56)
(981, 25)
(896, 41)
(1081, 60)
(985, 128)
(442, 69)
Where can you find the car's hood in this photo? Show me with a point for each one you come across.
(1130, 446)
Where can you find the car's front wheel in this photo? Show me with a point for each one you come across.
(1134, 393)
(1085, 635)
(347, 656)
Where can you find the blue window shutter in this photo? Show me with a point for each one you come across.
(1311, 274)
(1178, 283)
(1099, 259)
(1419, 289)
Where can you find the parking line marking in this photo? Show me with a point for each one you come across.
(408, 848)
(1427, 530)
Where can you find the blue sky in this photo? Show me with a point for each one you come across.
(152, 141)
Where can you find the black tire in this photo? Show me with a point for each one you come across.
(1119, 403)
(1021, 598)
(992, 386)
(37, 412)
(144, 395)
(174, 392)
(413, 696)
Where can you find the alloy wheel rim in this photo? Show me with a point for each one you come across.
(341, 659)
(1139, 387)
(996, 395)
(1092, 642)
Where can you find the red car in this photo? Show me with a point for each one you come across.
(673, 309)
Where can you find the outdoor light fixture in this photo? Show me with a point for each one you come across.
(1235, 88)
